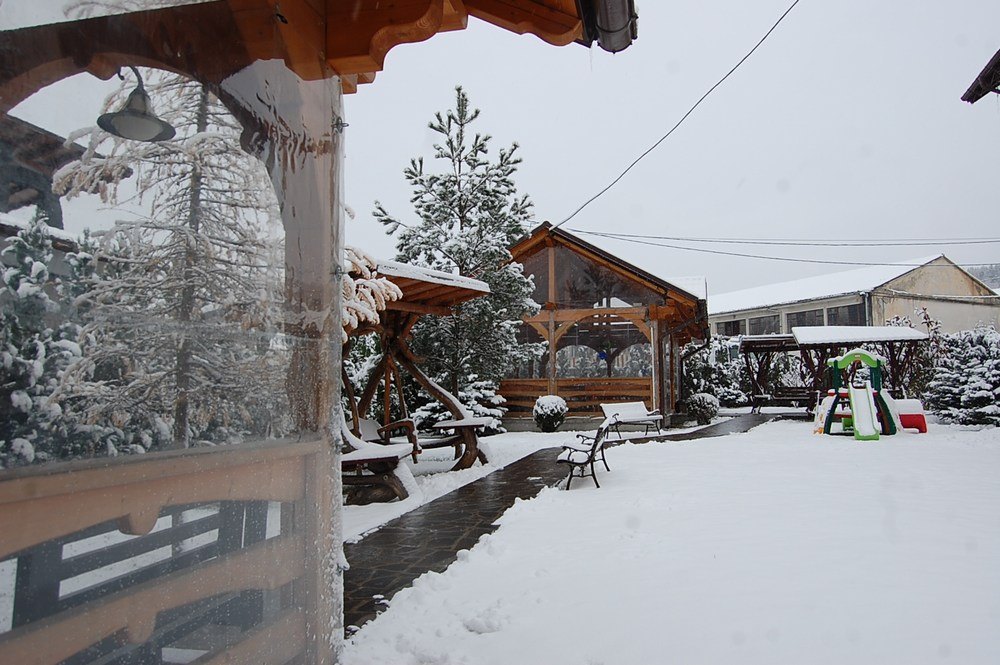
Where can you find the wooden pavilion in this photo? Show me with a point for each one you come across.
(613, 331)
(280, 68)
(817, 344)
(425, 292)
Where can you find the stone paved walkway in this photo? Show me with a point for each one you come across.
(429, 537)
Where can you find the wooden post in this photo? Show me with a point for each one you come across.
(291, 126)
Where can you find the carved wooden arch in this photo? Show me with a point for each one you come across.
(637, 321)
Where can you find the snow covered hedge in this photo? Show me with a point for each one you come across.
(549, 412)
(965, 387)
(703, 407)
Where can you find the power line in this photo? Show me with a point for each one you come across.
(770, 258)
(684, 117)
(888, 242)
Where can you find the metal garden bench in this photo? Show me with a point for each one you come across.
(580, 455)
(632, 413)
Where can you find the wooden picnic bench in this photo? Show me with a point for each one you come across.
(631, 413)
(584, 453)
(798, 396)
(369, 469)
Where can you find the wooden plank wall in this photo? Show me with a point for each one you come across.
(583, 396)
(204, 558)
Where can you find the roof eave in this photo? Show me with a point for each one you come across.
(988, 81)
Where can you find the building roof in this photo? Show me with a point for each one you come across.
(693, 288)
(851, 335)
(432, 289)
(848, 282)
(988, 81)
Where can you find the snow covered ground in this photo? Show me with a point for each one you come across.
(776, 546)
(434, 478)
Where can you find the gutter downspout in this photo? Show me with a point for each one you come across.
(611, 23)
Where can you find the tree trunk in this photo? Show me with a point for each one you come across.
(182, 369)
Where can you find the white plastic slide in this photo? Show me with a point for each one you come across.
(863, 412)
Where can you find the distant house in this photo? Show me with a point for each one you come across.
(613, 330)
(865, 296)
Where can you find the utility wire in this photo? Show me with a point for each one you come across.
(683, 118)
(772, 258)
(913, 242)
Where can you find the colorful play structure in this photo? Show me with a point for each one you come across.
(860, 406)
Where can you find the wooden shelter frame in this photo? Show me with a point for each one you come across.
(665, 316)
(425, 292)
(759, 352)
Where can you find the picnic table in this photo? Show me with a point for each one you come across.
(465, 440)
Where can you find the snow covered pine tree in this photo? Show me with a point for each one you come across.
(467, 216)
(35, 350)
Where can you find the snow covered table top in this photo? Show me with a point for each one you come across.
(463, 422)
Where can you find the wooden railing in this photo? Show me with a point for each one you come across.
(583, 396)
(222, 565)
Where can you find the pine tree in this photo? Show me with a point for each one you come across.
(966, 384)
(35, 350)
(467, 215)
(179, 324)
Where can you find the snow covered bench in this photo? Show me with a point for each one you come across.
(631, 413)
(372, 432)
(585, 452)
(373, 469)
(798, 396)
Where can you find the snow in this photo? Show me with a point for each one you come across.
(549, 405)
(434, 478)
(406, 271)
(696, 286)
(776, 546)
(810, 288)
(19, 225)
(805, 335)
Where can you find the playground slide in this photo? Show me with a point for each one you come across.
(866, 427)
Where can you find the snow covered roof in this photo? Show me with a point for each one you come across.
(812, 288)
(10, 226)
(696, 286)
(407, 271)
(815, 335)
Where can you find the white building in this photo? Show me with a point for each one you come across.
(865, 296)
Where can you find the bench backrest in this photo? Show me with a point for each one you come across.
(625, 409)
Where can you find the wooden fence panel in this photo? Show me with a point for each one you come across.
(198, 577)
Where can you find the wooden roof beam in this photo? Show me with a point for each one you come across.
(550, 25)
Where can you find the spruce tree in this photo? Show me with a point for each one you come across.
(467, 215)
(36, 347)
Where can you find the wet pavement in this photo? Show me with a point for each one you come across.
(429, 537)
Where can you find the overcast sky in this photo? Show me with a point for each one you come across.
(847, 123)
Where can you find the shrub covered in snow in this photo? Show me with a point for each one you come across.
(549, 412)
(712, 369)
(703, 407)
(965, 387)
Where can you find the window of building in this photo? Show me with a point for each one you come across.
(731, 328)
(848, 315)
(765, 325)
(812, 317)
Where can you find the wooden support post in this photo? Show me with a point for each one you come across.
(291, 126)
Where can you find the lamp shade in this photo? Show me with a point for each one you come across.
(135, 120)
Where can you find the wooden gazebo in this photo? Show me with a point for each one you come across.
(817, 344)
(613, 331)
(280, 68)
(425, 292)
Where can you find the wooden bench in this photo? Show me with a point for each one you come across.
(798, 396)
(585, 452)
(369, 469)
(631, 413)
(372, 432)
